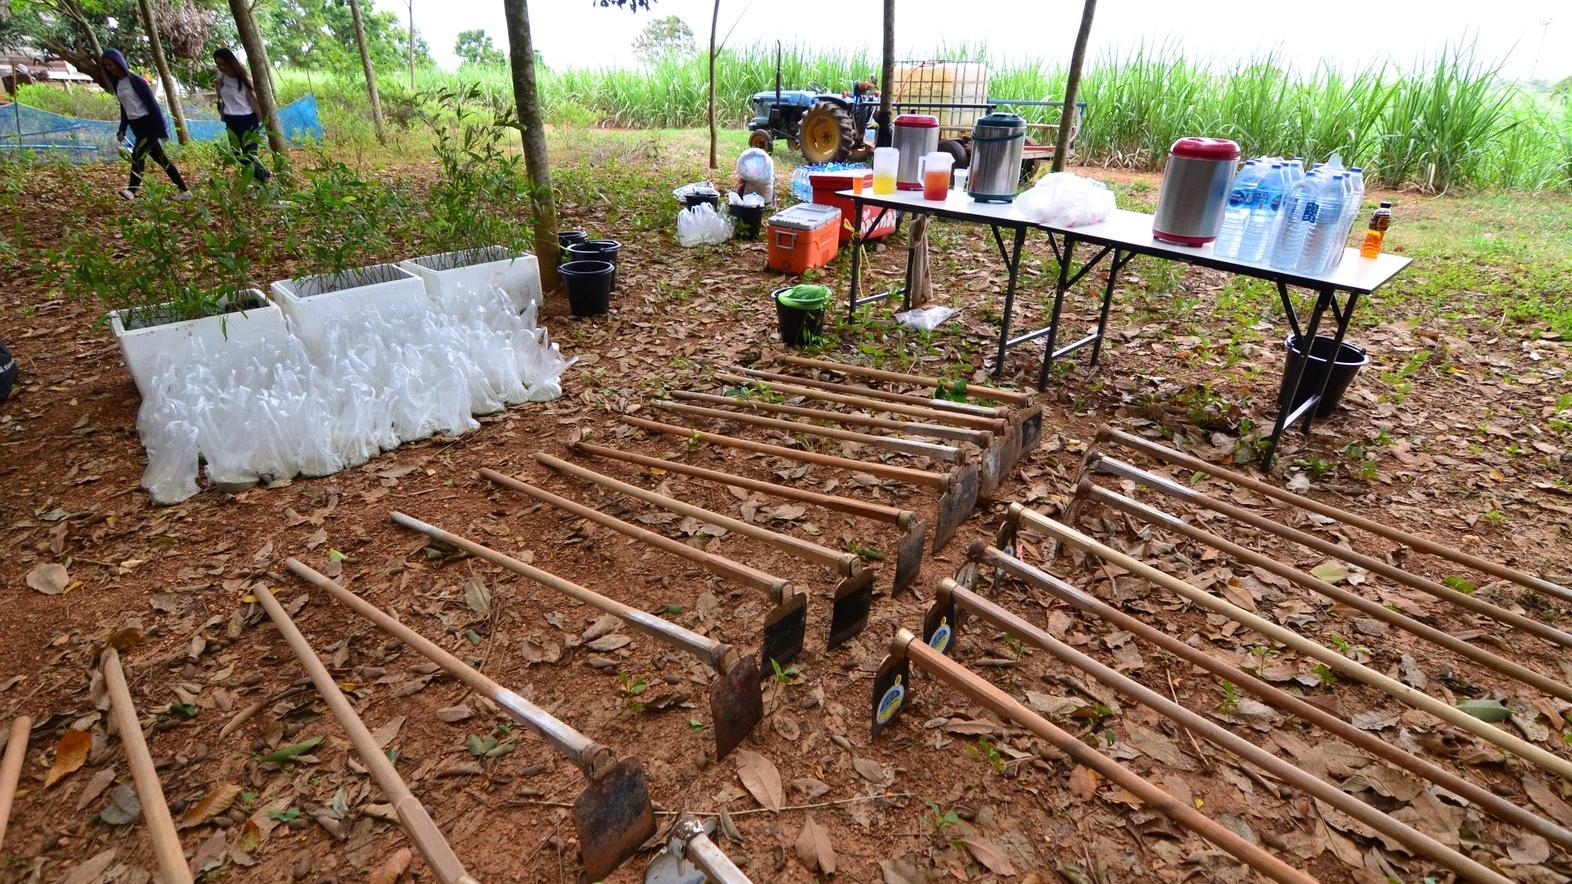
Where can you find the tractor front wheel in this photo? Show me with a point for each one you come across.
(762, 140)
(827, 133)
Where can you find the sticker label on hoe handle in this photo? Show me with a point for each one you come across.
(890, 703)
(889, 691)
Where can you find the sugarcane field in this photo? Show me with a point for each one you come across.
(672, 442)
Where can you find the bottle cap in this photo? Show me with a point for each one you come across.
(1357, 169)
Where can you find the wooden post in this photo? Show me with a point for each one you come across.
(714, 23)
(521, 58)
(171, 93)
(886, 135)
(261, 74)
(1072, 85)
(371, 72)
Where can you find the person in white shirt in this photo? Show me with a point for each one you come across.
(139, 112)
(237, 103)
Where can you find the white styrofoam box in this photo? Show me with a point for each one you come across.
(517, 273)
(143, 346)
(312, 304)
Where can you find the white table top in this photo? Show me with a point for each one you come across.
(1133, 231)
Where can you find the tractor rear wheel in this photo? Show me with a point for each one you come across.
(827, 133)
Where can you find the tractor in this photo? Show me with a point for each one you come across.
(824, 126)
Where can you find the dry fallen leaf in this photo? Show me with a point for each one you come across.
(989, 855)
(70, 754)
(393, 869)
(215, 802)
(871, 770)
(49, 578)
(814, 850)
(761, 778)
(92, 870)
(1083, 782)
(95, 787)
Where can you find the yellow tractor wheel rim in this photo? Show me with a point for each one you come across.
(823, 135)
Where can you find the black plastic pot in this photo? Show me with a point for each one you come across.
(750, 217)
(589, 286)
(567, 238)
(1350, 359)
(798, 327)
(689, 200)
(597, 250)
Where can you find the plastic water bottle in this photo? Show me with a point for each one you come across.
(1240, 193)
(1326, 233)
(1299, 213)
(1296, 171)
(1353, 201)
(1264, 206)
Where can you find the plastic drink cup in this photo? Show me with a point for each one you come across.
(886, 162)
(856, 184)
(934, 170)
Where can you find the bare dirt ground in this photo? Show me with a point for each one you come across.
(1462, 448)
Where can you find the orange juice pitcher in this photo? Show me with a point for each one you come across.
(934, 171)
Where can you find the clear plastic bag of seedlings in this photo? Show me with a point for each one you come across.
(702, 225)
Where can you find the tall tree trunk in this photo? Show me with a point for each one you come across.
(371, 73)
(261, 74)
(714, 21)
(543, 204)
(171, 94)
(887, 76)
(1072, 85)
(411, 5)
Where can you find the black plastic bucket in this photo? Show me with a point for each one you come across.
(589, 286)
(566, 238)
(8, 372)
(1350, 359)
(750, 217)
(597, 250)
(689, 200)
(798, 326)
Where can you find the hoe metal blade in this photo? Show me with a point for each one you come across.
(849, 614)
(784, 628)
(997, 460)
(1031, 427)
(941, 624)
(614, 817)
(736, 704)
(908, 556)
(890, 686)
(956, 504)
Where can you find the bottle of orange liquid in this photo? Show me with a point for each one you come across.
(1379, 222)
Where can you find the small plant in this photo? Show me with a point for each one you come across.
(1316, 466)
(1230, 702)
(473, 205)
(338, 221)
(1325, 673)
(987, 753)
(284, 816)
(941, 823)
(951, 391)
(1495, 518)
(865, 552)
(1347, 648)
(1460, 584)
(1018, 649)
(497, 742)
(783, 676)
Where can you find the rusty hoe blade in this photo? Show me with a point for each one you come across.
(849, 614)
(736, 702)
(784, 629)
(614, 817)
(955, 504)
(908, 555)
(1031, 419)
(993, 467)
(890, 685)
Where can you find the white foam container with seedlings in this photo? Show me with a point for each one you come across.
(314, 304)
(515, 273)
(396, 371)
(144, 334)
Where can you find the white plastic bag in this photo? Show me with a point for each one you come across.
(925, 318)
(1064, 199)
(702, 225)
(755, 167)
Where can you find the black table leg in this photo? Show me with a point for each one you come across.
(856, 268)
(1066, 255)
(1285, 415)
(1012, 260)
(1343, 318)
(1102, 318)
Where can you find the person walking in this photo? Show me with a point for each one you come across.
(237, 102)
(140, 113)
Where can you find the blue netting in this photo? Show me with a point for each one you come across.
(79, 140)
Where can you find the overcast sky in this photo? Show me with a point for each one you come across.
(577, 33)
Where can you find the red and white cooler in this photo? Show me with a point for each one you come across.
(1195, 190)
(827, 184)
